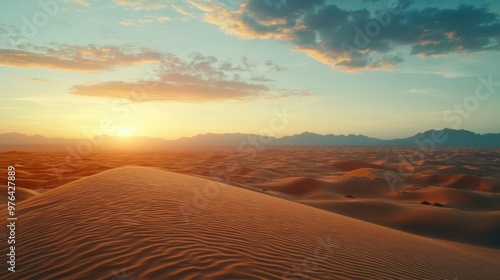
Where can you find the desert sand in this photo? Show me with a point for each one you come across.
(217, 214)
(127, 221)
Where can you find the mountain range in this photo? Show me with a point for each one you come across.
(444, 137)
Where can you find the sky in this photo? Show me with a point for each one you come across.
(170, 69)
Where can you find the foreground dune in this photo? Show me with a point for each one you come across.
(452, 194)
(144, 223)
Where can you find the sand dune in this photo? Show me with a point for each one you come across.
(127, 221)
(460, 181)
(456, 198)
(463, 180)
(302, 188)
(294, 186)
(356, 164)
(478, 228)
(370, 173)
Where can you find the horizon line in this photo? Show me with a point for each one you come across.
(241, 133)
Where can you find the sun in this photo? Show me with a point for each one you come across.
(124, 131)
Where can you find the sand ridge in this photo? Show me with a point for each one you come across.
(349, 181)
(127, 221)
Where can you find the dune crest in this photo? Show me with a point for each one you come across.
(127, 221)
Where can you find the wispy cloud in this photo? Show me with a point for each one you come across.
(35, 79)
(146, 20)
(141, 4)
(451, 74)
(182, 11)
(127, 22)
(199, 79)
(262, 79)
(177, 87)
(77, 58)
(426, 91)
(81, 2)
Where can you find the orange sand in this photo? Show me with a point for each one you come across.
(85, 221)
(128, 221)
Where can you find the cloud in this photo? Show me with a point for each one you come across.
(81, 2)
(146, 20)
(262, 79)
(426, 91)
(273, 66)
(199, 79)
(77, 58)
(245, 65)
(211, 66)
(364, 38)
(35, 79)
(141, 4)
(175, 87)
(182, 11)
(127, 22)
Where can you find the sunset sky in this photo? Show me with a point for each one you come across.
(180, 68)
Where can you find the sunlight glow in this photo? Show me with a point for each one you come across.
(124, 131)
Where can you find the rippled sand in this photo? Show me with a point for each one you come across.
(136, 222)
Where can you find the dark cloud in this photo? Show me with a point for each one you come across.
(465, 29)
(363, 38)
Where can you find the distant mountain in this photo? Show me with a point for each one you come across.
(445, 137)
(449, 137)
(18, 139)
(212, 139)
(22, 140)
(313, 139)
